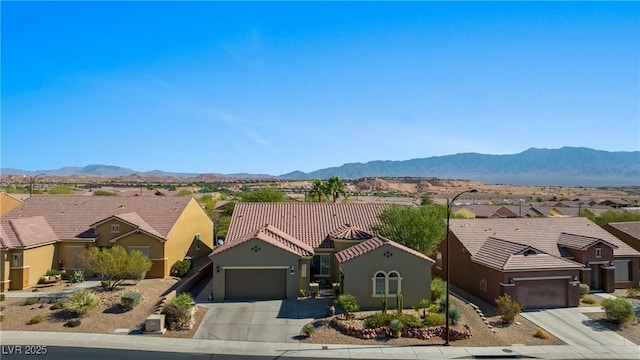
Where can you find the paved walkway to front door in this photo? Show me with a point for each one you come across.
(573, 327)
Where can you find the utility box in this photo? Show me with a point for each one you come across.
(154, 324)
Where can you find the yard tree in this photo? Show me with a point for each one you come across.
(317, 190)
(420, 228)
(611, 216)
(115, 265)
(335, 188)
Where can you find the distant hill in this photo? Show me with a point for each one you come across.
(568, 166)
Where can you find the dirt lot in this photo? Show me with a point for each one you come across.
(105, 319)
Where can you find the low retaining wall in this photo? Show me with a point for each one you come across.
(385, 331)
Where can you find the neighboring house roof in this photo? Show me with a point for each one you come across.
(631, 228)
(372, 244)
(615, 202)
(273, 236)
(540, 233)
(506, 255)
(488, 211)
(311, 223)
(350, 232)
(385, 200)
(581, 242)
(32, 231)
(71, 216)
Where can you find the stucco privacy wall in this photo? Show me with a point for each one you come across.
(182, 236)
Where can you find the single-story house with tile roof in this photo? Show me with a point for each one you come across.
(55, 231)
(484, 211)
(280, 250)
(628, 231)
(539, 262)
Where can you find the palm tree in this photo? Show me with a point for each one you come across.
(335, 188)
(317, 190)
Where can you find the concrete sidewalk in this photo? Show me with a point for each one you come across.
(284, 350)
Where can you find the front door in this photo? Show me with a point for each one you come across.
(596, 277)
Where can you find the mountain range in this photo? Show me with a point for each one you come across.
(567, 166)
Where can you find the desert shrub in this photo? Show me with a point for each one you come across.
(541, 334)
(584, 289)
(396, 325)
(423, 305)
(348, 303)
(52, 272)
(507, 308)
(57, 306)
(435, 319)
(633, 292)
(588, 300)
(384, 304)
(82, 302)
(130, 300)
(184, 300)
(104, 193)
(378, 320)
(438, 288)
(454, 316)
(400, 303)
(619, 310)
(176, 314)
(35, 319)
(442, 304)
(180, 268)
(31, 301)
(1, 297)
(73, 323)
(1, 317)
(308, 329)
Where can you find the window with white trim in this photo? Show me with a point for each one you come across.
(143, 249)
(115, 228)
(388, 284)
(598, 252)
(321, 265)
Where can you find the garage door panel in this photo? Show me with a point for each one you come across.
(541, 293)
(262, 284)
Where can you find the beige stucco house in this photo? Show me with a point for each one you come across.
(283, 250)
(7, 202)
(55, 231)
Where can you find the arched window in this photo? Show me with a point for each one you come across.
(386, 284)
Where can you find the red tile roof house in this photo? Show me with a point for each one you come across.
(629, 232)
(55, 231)
(540, 262)
(279, 250)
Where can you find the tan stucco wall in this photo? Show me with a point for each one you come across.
(4, 269)
(243, 255)
(64, 253)
(105, 234)
(35, 263)
(7, 203)
(156, 252)
(181, 238)
(414, 271)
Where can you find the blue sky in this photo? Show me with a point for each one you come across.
(277, 87)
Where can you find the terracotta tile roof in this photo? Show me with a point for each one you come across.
(374, 243)
(350, 232)
(71, 216)
(486, 211)
(32, 231)
(506, 255)
(632, 228)
(273, 236)
(4, 239)
(540, 233)
(580, 242)
(311, 223)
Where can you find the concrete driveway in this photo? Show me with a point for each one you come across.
(573, 327)
(266, 321)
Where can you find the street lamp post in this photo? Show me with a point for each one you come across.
(32, 181)
(446, 264)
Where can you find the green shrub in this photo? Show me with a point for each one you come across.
(60, 190)
(57, 306)
(35, 319)
(31, 301)
(588, 300)
(619, 310)
(541, 334)
(396, 325)
(1, 317)
(2, 297)
(52, 272)
(176, 314)
(308, 329)
(507, 308)
(82, 302)
(384, 304)
(584, 289)
(378, 320)
(104, 193)
(348, 303)
(454, 316)
(633, 292)
(180, 268)
(435, 319)
(130, 300)
(184, 300)
(442, 304)
(438, 288)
